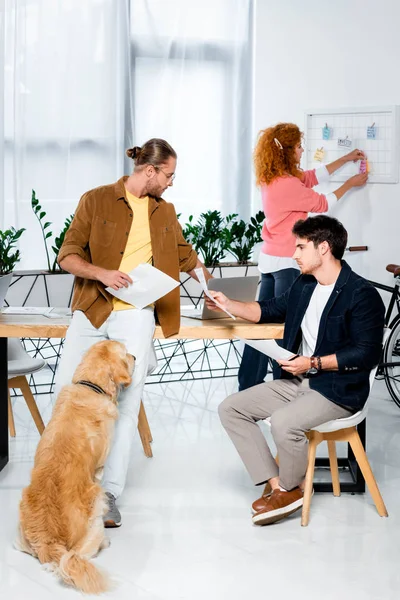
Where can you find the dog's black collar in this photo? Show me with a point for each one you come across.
(93, 386)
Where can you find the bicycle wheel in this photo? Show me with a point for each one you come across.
(391, 365)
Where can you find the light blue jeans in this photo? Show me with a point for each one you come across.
(135, 329)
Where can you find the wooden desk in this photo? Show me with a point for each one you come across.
(32, 326)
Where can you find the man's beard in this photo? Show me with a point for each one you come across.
(154, 189)
(309, 269)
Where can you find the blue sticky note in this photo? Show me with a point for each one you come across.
(371, 133)
(326, 133)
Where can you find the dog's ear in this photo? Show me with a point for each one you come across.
(121, 373)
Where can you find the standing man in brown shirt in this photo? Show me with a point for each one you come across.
(117, 227)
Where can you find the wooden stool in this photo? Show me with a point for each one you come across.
(20, 382)
(144, 431)
(351, 436)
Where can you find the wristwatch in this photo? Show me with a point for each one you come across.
(315, 367)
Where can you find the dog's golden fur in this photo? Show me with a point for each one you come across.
(61, 511)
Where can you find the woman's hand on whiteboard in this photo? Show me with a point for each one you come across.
(358, 180)
(355, 155)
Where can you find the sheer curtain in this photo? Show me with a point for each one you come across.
(65, 72)
(191, 84)
(84, 80)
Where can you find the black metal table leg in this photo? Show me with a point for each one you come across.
(3, 403)
(348, 464)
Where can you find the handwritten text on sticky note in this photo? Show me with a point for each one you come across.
(371, 132)
(344, 142)
(364, 166)
(319, 154)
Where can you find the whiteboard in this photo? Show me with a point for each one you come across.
(352, 123)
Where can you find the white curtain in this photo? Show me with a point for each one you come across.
(192, 82)
(84, 80)
(65, 74)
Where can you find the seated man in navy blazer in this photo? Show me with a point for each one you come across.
(334, 326)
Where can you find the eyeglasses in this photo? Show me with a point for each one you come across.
(170, 177)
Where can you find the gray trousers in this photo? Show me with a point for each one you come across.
(294, 409)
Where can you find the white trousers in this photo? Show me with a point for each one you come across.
(135, 329)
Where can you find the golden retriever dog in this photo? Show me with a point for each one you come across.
(61, 511)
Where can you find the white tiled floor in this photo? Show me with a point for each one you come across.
(187, 532)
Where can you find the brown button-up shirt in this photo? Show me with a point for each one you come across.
(98, 234)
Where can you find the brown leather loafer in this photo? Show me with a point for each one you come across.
(278, 505)
(260, 503)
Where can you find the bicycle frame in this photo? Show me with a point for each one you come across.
(395, 299)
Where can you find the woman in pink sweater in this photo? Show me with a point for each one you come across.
(287, 196)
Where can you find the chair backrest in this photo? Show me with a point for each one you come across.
(364, 410)
(15, 349)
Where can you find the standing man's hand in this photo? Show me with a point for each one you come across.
(114, 279)
(355, 155)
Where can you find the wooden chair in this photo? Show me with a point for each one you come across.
(340, 430)
(144, 432)
(20, 364)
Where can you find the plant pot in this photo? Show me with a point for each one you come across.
(5, 281)
(40, 288)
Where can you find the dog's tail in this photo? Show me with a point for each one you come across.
(79, 572)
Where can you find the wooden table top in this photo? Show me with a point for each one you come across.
(34, 326)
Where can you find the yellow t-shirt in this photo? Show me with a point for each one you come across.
(138, 247)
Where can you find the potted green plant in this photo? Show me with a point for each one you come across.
(241, 237)
(53, 266)
(9, 256)
(207, 236)
(45, 287)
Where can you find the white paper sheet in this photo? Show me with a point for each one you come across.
(203, 283)
(149, 284)
(270, 348)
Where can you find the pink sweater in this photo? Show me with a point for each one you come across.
(285, 201)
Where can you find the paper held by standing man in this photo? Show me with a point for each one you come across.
(149, 284)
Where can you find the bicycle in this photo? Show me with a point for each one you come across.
(389, 367)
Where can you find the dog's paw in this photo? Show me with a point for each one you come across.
(106, 543)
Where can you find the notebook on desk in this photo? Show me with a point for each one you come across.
(235, 288)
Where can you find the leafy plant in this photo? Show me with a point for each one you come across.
(9, 258)
(241, 237)
(206, 236)
(213, 236)
(40, 214)
(58, 241)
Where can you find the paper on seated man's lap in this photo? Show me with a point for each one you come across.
(270, 348)
(149, 284)
(203, 283)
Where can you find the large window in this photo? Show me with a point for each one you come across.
(85, 80)
(191, 84)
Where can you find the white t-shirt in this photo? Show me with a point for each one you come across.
(312, 317)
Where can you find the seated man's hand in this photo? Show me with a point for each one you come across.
(220, 298)
(297, 366)
(114, 279)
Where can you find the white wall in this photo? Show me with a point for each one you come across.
(321, 54)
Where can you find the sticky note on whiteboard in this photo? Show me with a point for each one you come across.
(344, 142)
(319, 154)
(364, 166)
(371, 132)
(326, 132)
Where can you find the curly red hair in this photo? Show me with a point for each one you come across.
(270, 159)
